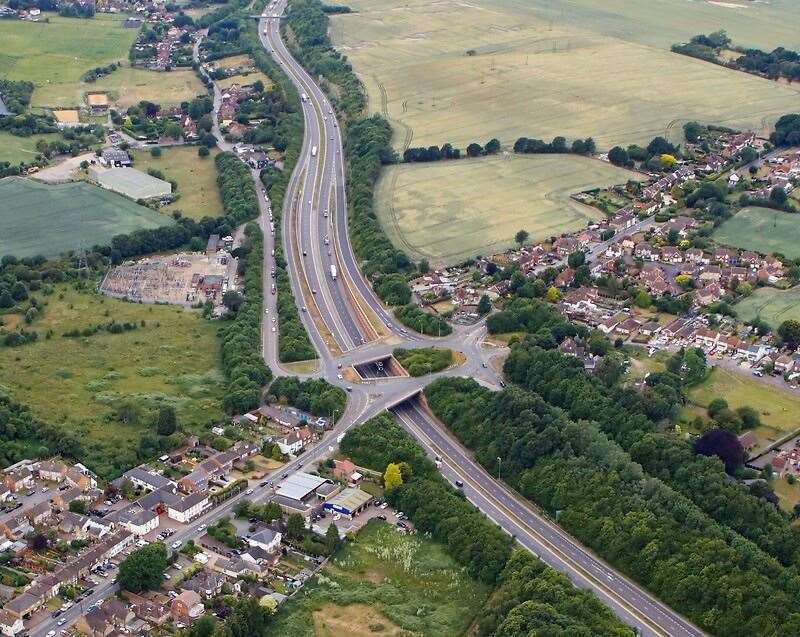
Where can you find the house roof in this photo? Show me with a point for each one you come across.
(299, 485)
(264, 536)
(189, 501)
(351, 499)
(153, 480)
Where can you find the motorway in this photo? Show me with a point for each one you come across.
(340, 318)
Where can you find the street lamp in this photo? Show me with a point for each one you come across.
(499, 460)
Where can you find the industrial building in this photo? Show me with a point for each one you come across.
(349, 502)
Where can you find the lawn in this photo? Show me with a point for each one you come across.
(762, 230)
(773, 306)
(554, 67)
(172, 359)
(50, 219)
(384, 583)
(15, 149)
(196, 178)
(55, 54)
(778, 409)
(452, 210)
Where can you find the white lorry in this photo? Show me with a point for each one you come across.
(333, 271)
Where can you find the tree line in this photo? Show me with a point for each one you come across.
(314, 395)
(16, 95)
(531, 598)
(526, 145)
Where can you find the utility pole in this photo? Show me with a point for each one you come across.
(499, 460)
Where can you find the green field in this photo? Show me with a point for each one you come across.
(55, 54)
(452, 210)
(173, 359)
(406, 585)
(196, 178)
(555, 67)
(50, 219)
(773, 306)
(778, 409)
(15, 149)
(762, 230)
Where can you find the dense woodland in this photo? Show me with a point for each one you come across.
(531, 598)
(315, 395)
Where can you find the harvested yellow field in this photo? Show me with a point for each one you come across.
(453, 71)
(452, 210)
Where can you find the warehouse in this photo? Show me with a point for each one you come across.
(349, 502)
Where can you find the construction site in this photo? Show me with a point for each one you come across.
(182, 279)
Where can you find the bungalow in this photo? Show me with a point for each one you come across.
(24, 605)
(628, 327)
(187, 605)
(610, 324)
(706, 337)
(650, 328)
(784, 364)
(680, 224)
(747, 440)
(237, 567)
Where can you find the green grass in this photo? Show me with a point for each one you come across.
(404, 583)
(452, 210)
(50, 219)
(55, 54)
(772, 305)
(173, 359)
(418, 362)
(15, 149)
(778, 409)
(576, 68)
(196, 178)
(763, 230)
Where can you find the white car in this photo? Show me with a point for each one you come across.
(201, 528)
(176, 544)
(273, 328)
(249, 492)
(52, 633)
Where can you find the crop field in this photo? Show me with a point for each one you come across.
(127, 86)
(173, 359)
(763, 230)
(50, 219)
(777, 408)
(55, 54)
(452, 210)
(458, 72)
(405, 584)
(773, 306)
(196, 178)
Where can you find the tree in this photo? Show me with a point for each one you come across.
(692, 131)
(684, 280)
(295, 526)
(38, 542)
(643, 299)
(203, 151)
(155, 152)
(552, 295)
(474, 150)
(484, 305)
(521, 237)
(576, 259)
(716, 406)
(778, 195)
(789, 331)
(128, 412)
(392, 477)
(618, 156)
(232, 300)
(248, 619)
(143, 569)
(492, 146)
(205, 626)
(723, 444)
(332, 539)
(167, 421)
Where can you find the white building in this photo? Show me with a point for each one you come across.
(189, 507)
(266, 539)
(137, 520)
(9, 624)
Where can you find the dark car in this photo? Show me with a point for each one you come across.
(263, 484)
(55, 614)
(381, 517)
(459, 484)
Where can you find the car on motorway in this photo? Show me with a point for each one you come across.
(460, 484)
(313, 291)
(303, 308)
(339, 376)
(273, 328)
(483, 365)
(305, 254)
(348, 388)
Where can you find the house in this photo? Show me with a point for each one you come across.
(205, 583)
(564, 246)
(189, 507)
(784, 364)
(644, 250)
(628, 327)
(10, 625)
(696, 255)
(709, 294)
(564, 278)
(51, 470)
(707, 337)
(265, 539)
(197, 480)
(294, 442)
(81, 479)
(187, 605)
(146, 479)
(671, 254)
(747, 440)
(237, 567)
(74, 524)
(137, 520)
(725, 256)
(18, 479)
(148, 610)
(650, 328)
(346, 470)
(38, 513)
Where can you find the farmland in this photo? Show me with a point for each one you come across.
(405, 584)
(450, 211)
(171, 359)
(51, 219)
(545, 68)
(763, 230)
(777, 408)
(772, 305)
(196, 178)
(54, 55)
(15, 149)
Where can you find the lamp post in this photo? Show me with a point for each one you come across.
(499, 460)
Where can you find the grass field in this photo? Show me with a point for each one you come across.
(552, 67)
(773, 306)
(55, 54)
(763, 230)
(406, 585)
(778, 409)
(50, 219)
(196, 178)
(243, 80)
(16, 149)
(449, 211)
(173, 359)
